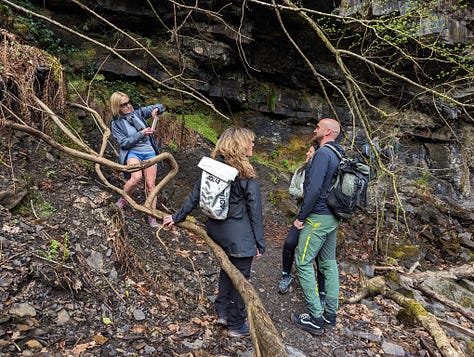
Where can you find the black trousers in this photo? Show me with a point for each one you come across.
(229, 303)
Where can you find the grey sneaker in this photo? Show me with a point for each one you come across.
(309, 323)
(329, 320)
(221, 321)
(284, 283)
(241, 332)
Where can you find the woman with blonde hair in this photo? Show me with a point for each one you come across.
(241, 234)
(137, 143)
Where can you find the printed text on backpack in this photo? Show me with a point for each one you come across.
(216, 181)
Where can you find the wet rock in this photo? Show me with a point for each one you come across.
(293, 352)
(369, 270)
(11, 198)
(362, 334)
(466, 239)
(451, 290)
(149, 349)
(437, 309)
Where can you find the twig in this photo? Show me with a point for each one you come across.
(53, 261)
(17, 347)
(413, 267)
(33, 209)
(115, 291)
(157, 234)
(201, 297)
(465, 331)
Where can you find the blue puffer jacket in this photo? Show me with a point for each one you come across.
(127, 129)
(242, 232)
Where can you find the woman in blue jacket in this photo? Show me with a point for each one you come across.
(137, 143)
(241, 234)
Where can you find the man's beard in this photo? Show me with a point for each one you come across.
(318, 138)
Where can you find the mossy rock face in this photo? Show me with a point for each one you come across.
(283, 201)
(451, 290)
(402, 252)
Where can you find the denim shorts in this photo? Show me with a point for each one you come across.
(141, 155)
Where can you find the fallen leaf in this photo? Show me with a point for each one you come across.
(173, 327)
(99, 339)
(199, 322)
(139, 329)
(80, 348)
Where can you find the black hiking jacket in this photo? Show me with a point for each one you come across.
(241, 234)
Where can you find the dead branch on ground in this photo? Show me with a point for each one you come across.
(386, 285)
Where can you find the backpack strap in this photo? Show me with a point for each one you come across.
(333, 148)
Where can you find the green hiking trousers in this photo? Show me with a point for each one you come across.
(318, 236)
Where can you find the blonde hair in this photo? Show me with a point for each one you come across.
(233, 144)
(115, 103)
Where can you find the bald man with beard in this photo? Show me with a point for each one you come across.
(318, 228)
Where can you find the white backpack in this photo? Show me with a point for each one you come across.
(215, 187)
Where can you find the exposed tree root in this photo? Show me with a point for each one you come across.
(389, 283)
(265, 338)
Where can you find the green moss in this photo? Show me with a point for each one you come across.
(416, 309)
(56, 67)
(262, 159)
(203, 125)
(273, 178)
(424, 179)
(285, 158)
(401, 252)
(466, 302)
(34, 204)
(393, 276)
(278, 196)
(272, 100)
(391, 261)
(470, 348)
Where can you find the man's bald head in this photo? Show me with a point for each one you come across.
(332, 125)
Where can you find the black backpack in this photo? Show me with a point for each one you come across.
(348, 189)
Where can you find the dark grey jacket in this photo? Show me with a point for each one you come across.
(317, 181)
(242, 232)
